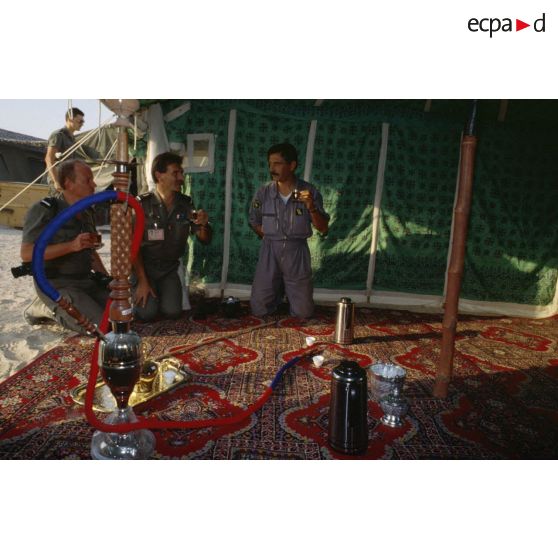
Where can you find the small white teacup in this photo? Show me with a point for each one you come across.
(318, 360)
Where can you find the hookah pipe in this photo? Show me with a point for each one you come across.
(51, 292)
(37, 264)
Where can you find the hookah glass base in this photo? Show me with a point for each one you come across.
(138, 444)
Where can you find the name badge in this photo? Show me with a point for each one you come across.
(155, 234)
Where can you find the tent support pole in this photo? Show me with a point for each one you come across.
(457, 259)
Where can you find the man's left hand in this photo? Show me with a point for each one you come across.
(202, 218)
(306, 198)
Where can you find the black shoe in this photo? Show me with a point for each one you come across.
(38, 313)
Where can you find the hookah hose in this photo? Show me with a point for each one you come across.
(37, 264)
(156, 424)
(51, 292)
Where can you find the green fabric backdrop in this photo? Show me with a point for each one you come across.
(513, 240)
(512, 248)
(416, 209)
(345, 169)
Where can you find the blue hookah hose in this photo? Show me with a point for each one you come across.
(37, 264)
(282, 370)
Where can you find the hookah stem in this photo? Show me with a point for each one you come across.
(180, 349)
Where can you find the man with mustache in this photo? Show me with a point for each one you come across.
(170, 218)
(282, 214)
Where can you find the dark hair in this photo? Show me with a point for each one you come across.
(74, 111)
(286, 150)
(162, 161)
(67, 171)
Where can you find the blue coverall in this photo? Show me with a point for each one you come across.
(284, 260)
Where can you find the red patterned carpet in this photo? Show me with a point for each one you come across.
(502, 404)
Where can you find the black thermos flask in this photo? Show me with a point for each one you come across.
(348, 424)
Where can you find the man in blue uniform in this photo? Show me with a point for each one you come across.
(169, 218)
(282, 214)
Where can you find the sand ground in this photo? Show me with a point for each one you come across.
(20, 342)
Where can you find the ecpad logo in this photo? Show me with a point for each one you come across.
(493, 25)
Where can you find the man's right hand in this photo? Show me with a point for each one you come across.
(258, 229)
(83, 241)
(143, 290)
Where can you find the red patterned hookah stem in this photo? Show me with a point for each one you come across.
(121, 238)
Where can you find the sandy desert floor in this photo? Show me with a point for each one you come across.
(20, 342)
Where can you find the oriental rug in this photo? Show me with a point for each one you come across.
(502, 401)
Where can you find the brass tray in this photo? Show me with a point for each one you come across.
(168, 377)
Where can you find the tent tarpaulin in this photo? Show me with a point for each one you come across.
(511, 261)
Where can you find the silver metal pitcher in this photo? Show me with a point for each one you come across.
(345, 322)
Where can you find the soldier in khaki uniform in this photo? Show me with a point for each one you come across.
(169, 218)
(60, 141)
(283, 213)
(71, 256)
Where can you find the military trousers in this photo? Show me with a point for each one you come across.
(284, 266)
(167, 304)
(86, 295)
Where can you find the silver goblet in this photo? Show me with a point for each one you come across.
(388, 385)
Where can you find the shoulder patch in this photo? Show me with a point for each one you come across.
(256, 204)
(145, 197)
(49, 202)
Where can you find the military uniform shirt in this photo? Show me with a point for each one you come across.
(280, 221)
(37, 218)
(165, 236)
(63, 139)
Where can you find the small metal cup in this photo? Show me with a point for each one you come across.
(149, 371)
(296, 194)
(388, 380)
(384, 376)
(98, 242)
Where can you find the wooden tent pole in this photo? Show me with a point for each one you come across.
(457, 258)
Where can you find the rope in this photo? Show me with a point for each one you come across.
(66, 154)
(110, 151)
